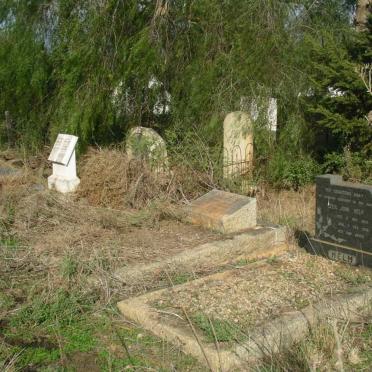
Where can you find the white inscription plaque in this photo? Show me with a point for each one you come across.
(63, 149)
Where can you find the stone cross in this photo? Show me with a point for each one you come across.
(63, 157)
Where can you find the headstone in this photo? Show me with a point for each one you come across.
(63, 157)
(238, 144)
(266, 109)
(147, 145)
(343, 226)
(223, 212)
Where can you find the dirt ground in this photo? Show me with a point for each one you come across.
(248, 296)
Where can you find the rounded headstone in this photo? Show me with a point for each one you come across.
(145, 144)
(238, 144)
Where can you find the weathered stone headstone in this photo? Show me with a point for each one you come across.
(343, 226)
(238, 144)
(63, 157)
(223, 211)
(147, 145)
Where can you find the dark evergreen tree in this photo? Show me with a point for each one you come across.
(338, 102)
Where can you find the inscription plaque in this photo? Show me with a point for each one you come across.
(343, 225)
(63, 149)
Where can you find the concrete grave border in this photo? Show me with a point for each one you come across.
(267, 339)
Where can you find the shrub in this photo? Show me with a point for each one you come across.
(291, 171)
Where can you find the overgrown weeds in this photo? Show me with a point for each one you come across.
(336, 345)
(110, 179)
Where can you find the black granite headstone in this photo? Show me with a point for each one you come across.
(343, 225)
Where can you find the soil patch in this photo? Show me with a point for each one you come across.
(248, 296)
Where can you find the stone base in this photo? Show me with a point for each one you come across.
(63, 185)
(338, 252)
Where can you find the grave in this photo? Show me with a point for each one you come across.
(343, 226)
(145, 144)
(223, 211)
(231, 319)
(238, 144)
(63, 157)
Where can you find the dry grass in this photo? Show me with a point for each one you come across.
(117, 219)
(100, 239)
(285, 207)
(341, 345)
(109, 179)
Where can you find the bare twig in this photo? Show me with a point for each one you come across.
(339, 364)
(216, 342)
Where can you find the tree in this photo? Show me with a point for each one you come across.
(92, 63)
(338, 103)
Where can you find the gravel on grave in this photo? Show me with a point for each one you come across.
(251, 294)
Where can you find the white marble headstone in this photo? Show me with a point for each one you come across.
(64, 178)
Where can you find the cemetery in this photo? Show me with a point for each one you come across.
(185, 186)
(221, 278)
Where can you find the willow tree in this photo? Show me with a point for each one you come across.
(97, 68)
(24, 72)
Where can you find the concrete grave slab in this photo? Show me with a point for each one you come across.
(223, 211)
(261, 301)
(252, 245)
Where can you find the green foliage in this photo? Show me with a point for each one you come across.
(69, 267)
(352, 166)
(217, 329)
(96, 69)
(24, 73)
(338, 102)
(291, 171)
(63, 309)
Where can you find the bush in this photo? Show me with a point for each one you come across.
(293, 171)
(352, 166)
